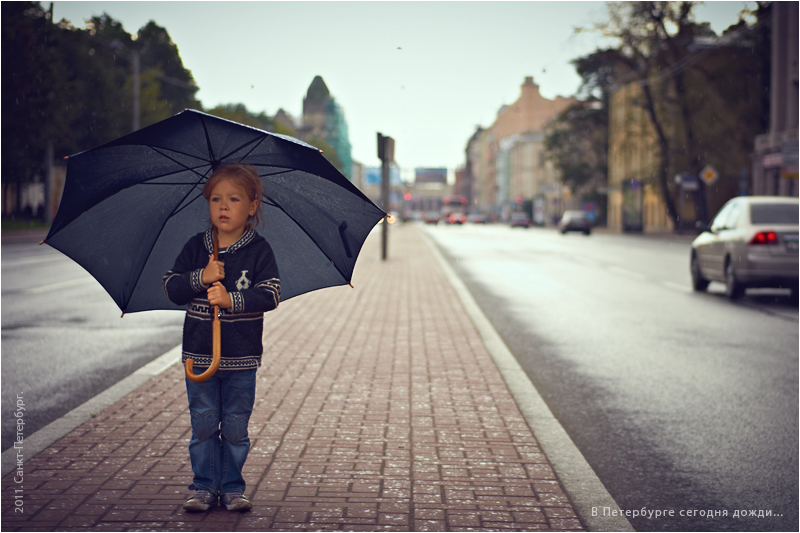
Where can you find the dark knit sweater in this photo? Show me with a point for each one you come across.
(253, 282)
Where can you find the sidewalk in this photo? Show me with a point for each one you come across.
(377, 408)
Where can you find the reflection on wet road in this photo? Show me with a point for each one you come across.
(678, 400)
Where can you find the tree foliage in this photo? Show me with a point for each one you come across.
(704, 97)
(578, 140)
(699, 98)
(72, 88)
(239, 113)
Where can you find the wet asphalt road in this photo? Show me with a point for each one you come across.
(679, 401)
(63, 340)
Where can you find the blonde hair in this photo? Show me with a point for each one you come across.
(244, 177)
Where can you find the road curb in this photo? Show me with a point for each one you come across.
(49, 434)
(579, 480)
(23, 235)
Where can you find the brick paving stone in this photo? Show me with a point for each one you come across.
(378, 409)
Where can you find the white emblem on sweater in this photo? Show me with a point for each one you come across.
(243, 283)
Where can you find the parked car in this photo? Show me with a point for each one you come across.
(432, 217)
(752, 242)
(520, 220)
(575, 221)
(477, 218)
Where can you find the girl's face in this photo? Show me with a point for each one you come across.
(230, 209)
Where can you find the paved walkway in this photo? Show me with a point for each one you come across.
(377, 408)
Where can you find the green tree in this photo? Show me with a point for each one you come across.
(577, 142)
(239, 113)
(28, 74)
(94, 77)
(683, 84)
(72, 89)
(169, 79)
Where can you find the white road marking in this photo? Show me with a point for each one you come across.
(627, 273)
(676, 286)
(59, 285)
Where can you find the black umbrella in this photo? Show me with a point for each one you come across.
(130, 205)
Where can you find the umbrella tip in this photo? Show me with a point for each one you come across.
(66, 157)
(351, 285)
(42, 242)
(122, 315)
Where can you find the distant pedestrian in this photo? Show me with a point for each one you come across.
(244, 283)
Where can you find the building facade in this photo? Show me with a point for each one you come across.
(323, 118)
(505, 162)
(534, 181)
(634, 199)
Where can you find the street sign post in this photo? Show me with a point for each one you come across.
(386, 155)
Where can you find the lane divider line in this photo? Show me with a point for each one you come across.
(59, 285)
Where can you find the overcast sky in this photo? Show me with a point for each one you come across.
(425, 73)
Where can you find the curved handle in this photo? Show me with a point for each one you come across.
(216, 338)
(216, 356)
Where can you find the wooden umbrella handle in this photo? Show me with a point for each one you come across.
(216, 338)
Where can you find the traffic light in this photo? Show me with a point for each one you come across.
(385, 148)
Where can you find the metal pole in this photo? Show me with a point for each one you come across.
(385, 204)
(386, 155)
(49, 208)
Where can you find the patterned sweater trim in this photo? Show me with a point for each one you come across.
(226, 363)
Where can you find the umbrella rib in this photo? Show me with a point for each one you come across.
(272, 202)
(287, 170)
(208, 140)
(176, 183)
(185, 205)
(163, 225)
(254, 142)
(185, 167)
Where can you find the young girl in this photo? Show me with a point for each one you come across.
(244, 283)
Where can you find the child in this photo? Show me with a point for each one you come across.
(244, 282)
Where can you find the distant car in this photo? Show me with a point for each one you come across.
(575, 221)
(457, 218)
(431, 217)
(477, 218)
(520, 220)
(752, 242)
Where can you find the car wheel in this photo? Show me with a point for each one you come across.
(698, 282)
(587, 232)
(733, 288)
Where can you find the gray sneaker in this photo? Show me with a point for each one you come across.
(201, 500)
(236, 501)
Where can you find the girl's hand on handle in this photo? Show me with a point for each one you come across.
(214, 271)
(217, 295)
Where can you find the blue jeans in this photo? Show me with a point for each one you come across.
(220, 408)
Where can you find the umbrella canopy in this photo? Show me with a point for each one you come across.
(130, 205)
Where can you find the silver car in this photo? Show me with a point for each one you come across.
(752, 242)
(575, 221)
